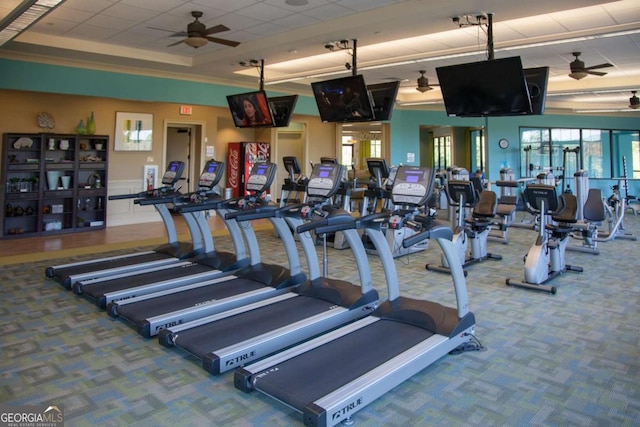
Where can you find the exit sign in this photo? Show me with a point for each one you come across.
(186, 110)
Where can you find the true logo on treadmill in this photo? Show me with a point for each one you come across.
(346, 410)
(169, 324)
(239, 359)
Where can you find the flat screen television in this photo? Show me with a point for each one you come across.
(384, 98)
(537, 79)
(282, 109)
(486, 88)
(250, 109)
(343, 100)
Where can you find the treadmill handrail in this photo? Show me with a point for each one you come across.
(144, 194)
(335, 216)
(436, 230)
(160, 200)
(257, 212)
(457, 275)
(213, 203)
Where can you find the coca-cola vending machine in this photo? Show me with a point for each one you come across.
(240, 159)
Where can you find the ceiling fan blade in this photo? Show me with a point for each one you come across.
(595, 73)
(593, 67)
(215, 29)
(176, 43)
(223, 41)
(161, 29)
(180, 34)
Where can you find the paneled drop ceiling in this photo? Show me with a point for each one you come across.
(395, 39)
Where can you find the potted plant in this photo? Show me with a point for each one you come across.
(14, 184)
(35, 180)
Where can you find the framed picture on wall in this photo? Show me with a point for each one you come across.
(150, 177)
(134, 132)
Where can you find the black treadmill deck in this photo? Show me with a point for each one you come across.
(213, 336)
(306, 378)
(142, 310)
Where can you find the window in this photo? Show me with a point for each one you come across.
(535, 144)
(595, 145)
(442, 152)
(478, 153)
(625, 153)
(375, 148)
(347, 154)
(603, 153)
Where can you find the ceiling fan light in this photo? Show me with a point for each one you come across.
(578, 75)
(196, 42)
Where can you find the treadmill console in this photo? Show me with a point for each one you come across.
(325, 180)
(413, 185)
(261, 177)
(388, 183)
(378, 169)
(292, 166)
(211, 175)
(173, 173)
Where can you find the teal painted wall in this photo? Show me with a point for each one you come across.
(31, 76)
(405, 135)
(405, 124)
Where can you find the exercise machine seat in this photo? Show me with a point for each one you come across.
(566, 217)
(484, 211)
(594, 210)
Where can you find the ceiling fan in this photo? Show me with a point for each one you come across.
(579, 71)
(198, 35)
(423, 82)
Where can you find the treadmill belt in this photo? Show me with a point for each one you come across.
(308, 377)
(98, 289)
(210, 337)
(140, 311)
(108, 264)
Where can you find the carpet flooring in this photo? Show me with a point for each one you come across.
(570, 359)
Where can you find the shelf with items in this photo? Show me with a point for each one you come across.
(57, 211)
(90, 208)
(92, 148)
(59, 150)
(20, 217)
(22, 164)
(52, 176)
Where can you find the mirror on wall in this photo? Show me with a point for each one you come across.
(361, 141)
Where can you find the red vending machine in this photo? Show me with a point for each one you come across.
(240, 159)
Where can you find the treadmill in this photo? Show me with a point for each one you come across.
(294, 186)
(233, 338)
(207, 264)
(331, 377)
(68, 274)
(149, 314)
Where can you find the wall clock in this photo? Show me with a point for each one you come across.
(503, 143)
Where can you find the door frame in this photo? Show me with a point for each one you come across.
(196, 146)
(276, 157)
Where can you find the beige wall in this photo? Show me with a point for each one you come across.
(19, 111)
